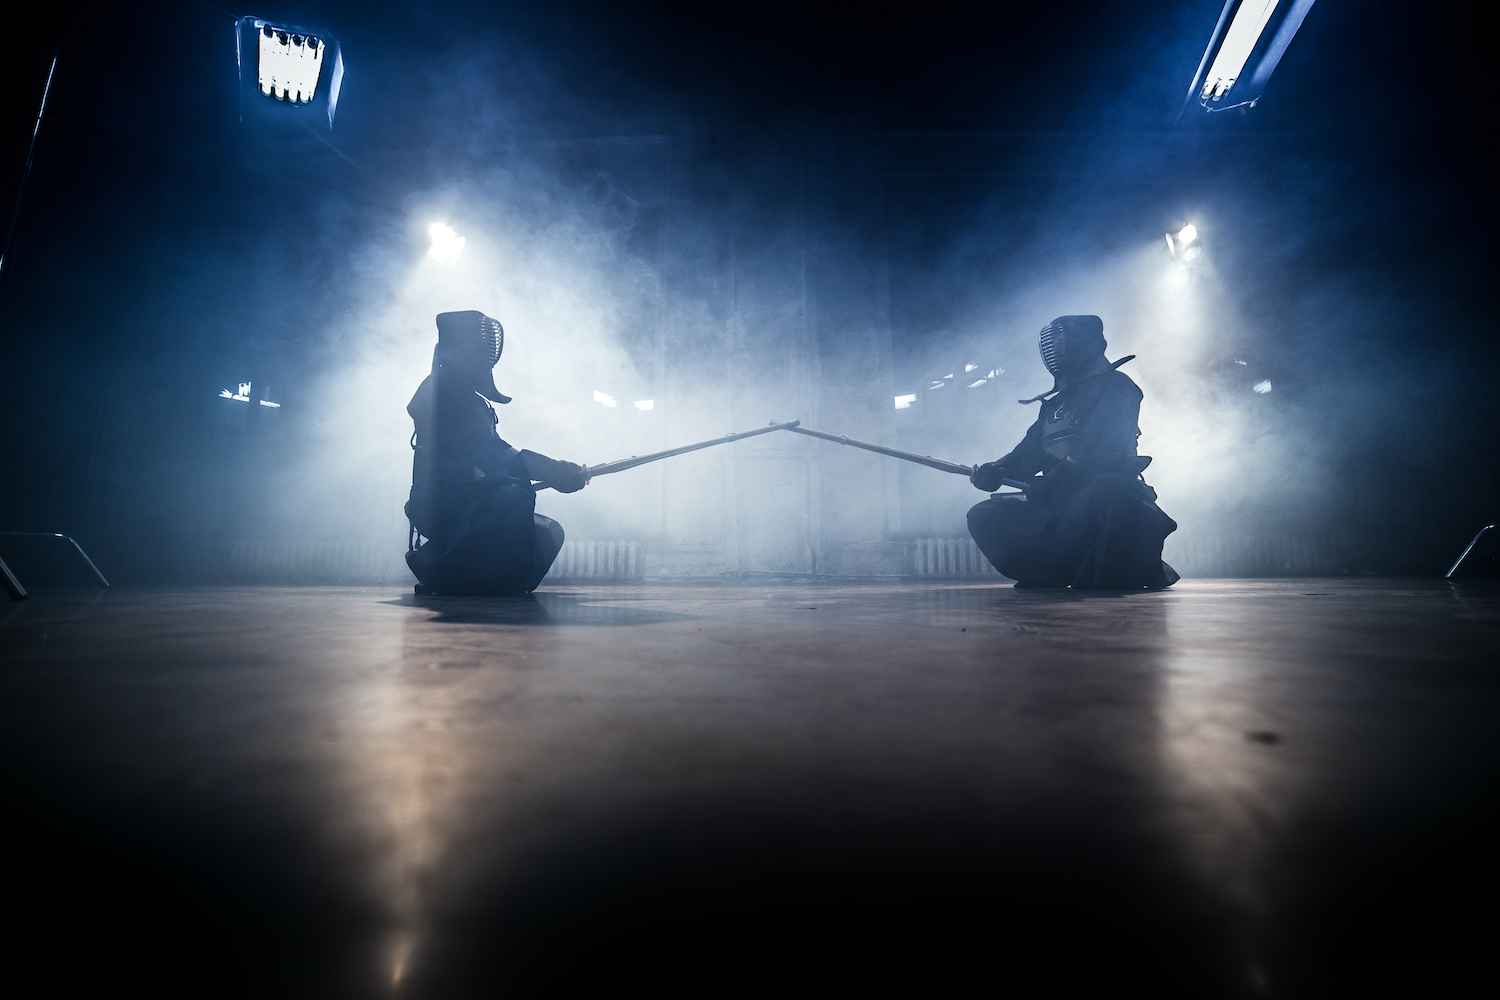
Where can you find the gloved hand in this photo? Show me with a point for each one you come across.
(565, 477)
(988, 476)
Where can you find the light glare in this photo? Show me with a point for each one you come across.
(446, 244)
(1188, 234)
(288, 64)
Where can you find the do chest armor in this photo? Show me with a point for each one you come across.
(1059, 428)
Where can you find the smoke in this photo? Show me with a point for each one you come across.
(651, 240)
(609, 280)
(561, 250)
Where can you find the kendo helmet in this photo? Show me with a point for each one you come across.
(471, 343)
(1072, 347)
(1071, 344)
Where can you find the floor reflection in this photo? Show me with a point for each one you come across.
(426, 748)
(1224, 758)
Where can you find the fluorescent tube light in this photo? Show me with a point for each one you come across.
(1247, 44)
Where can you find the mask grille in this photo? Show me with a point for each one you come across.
(1051, 344)
(492, 334)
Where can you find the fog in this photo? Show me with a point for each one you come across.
(737, 262)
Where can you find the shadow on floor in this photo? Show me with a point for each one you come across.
(550, 608)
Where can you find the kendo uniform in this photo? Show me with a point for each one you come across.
(471, 492)
(1090, 521)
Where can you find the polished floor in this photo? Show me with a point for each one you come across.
(1232, 788)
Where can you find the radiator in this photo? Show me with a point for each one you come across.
(595, 560)
(950, 559)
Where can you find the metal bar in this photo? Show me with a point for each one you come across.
(12, 585)
(1459, 561)
(621, 464)
(15, 215)
(932, 463)
(67, 538)
(86, 559)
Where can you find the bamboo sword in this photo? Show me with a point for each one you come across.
(880, 449)
(621, 464)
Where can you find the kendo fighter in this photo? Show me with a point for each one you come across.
(471, 493)
(1089, 521)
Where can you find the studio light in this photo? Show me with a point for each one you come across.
(904, 402)
(1243, 51)
(288, 64)
(1183, 245)
(446, 244)
(605, 398)
(291, 65)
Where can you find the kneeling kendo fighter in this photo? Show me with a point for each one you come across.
(1090, 520)
(471, 492)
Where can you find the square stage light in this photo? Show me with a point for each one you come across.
(294, 66)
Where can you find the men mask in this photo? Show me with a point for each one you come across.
(469, 345)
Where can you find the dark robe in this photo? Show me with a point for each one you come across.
(471, 498)
(1090, 521)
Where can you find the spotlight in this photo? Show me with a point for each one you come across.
(289, 64)
(1183, 245)
(293, 65)
(1243, 51)
(446, 244)
(605, 398)
(904, 402)
(645, 404)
